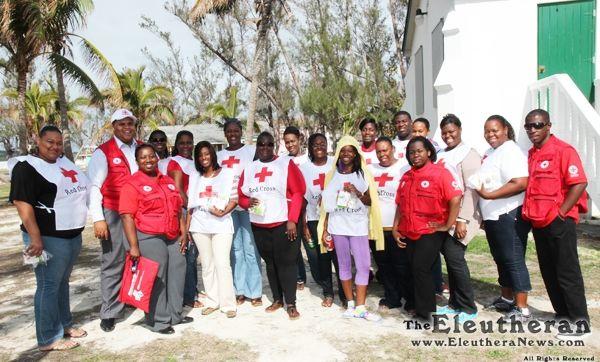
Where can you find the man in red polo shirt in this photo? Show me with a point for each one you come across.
(112, 163)
(554, 198)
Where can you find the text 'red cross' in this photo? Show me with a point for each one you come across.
(383, 179)
(320, 181)
(263, 174)
(69, 174)
(230, 161)
(207, 192)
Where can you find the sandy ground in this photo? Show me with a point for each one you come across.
(321, 334)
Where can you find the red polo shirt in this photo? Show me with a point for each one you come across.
(553, 169)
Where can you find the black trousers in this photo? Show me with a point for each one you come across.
(324, 261)
(280, 256)
(422, 254)
(556, 246)
(394, 273)
(459, 278)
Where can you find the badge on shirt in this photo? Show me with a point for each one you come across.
(116, 160)
(425, 184)
(573, 171)
(147, 188)
(171, 187)
(545, 164)
(455, 185)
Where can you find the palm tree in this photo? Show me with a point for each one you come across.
(265, 10)
(60, 19)
(147, 103)
(39, 105)
(20, 26)
(228, 109)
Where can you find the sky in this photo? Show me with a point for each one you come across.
(113, 27)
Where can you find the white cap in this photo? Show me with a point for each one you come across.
(122, 114)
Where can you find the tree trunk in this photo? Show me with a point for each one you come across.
(265, 9)
(64, 118)
(395, 7)
(24, 132)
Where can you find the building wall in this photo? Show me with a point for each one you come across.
(490, 58)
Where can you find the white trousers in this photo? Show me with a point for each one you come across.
(214, 250)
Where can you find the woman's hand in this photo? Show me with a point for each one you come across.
(438, 227)
(483, 194)
(307, 235)
(324, 240)
(291, 230)
(35, 247)
(398, 237)
(183, 241)
(254, 201)
(134, 252)
(461, 230)
(216, 212)
(348, 187)
(101, 230)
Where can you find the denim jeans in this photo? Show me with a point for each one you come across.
(245, 260)
(190, 289)
(51, 303)
(507, 238)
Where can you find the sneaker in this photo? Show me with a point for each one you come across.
(463, 317)
(515, 315)
(371, 317)
(348, 313)
(446, 310)
(500, 305)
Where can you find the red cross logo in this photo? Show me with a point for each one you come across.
(383, 179)
(207, 192)
(230, 161)
(69, 174)
(263, 174)
(368, 161)
(320, 181)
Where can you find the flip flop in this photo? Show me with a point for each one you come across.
(60, 345)
(75, 333)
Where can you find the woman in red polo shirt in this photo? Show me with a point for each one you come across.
(151, 209)
(428, 202)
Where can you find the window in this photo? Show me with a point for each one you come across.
(419, 81)
(437, 54)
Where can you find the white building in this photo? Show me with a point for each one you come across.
(475, 58)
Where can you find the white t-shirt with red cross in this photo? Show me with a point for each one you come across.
(236, 161)
(370, 154)
(352, 220)
(387, 180)
(400, 150)
(267, 182)
(314, 177)
(206, 192)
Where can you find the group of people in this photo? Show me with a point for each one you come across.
(400, 201)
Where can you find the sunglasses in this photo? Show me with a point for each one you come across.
(157, 140)
(536, 125)
(262, 144)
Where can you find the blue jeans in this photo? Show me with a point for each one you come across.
(190, 289)
(51, 303)
(507, 238)
(245, 260)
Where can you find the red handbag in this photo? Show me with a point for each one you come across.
(138, 281)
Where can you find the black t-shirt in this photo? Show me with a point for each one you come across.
(27, 185)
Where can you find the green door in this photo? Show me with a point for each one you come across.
(566, 36)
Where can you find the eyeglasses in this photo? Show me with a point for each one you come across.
(536, 125)
(157, 140)
(262, 144)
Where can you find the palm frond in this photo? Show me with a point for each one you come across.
(78, 76)
(203, 7)
(103, 67)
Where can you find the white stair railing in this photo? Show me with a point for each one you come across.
(574, 120)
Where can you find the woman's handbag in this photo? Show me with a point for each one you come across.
(138, 280)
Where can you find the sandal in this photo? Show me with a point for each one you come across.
(300, 285)
(256, 302)
(230, 314)
(273, 307)
(293, 312)
(209, 310)
(327, 302)
(60, 345)
(240, 299)
(196, 304)
(75, 333)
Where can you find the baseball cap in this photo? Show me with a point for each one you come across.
(122, 114)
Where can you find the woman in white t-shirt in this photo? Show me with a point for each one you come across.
(501, 183)
(210, 203)
(349, 220)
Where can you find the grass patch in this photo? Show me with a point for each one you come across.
(479, 245)
(4, 192)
